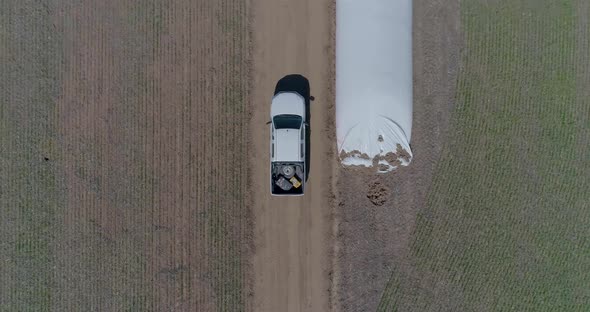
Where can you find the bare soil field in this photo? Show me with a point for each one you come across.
(123, 155)
(291, 264)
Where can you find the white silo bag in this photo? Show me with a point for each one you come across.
(374, 82)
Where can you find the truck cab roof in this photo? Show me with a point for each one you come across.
(287, 145)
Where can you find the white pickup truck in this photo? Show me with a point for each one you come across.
(288, 143)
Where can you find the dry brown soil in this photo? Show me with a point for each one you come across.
(151, 119)
(126, 122)
(291, 263)
(374, 226)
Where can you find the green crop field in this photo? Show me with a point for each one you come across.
(507, 222)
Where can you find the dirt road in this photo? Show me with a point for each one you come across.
(291, 265)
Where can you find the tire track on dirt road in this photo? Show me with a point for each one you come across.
(291, 264)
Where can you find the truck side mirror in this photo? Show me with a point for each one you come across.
(268, 122)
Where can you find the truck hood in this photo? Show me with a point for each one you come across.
(288, 103)
(287, 145)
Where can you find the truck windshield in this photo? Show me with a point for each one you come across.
(287, 122)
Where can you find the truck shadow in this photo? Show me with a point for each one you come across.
(300, 84)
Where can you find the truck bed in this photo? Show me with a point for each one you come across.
(287, 178)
